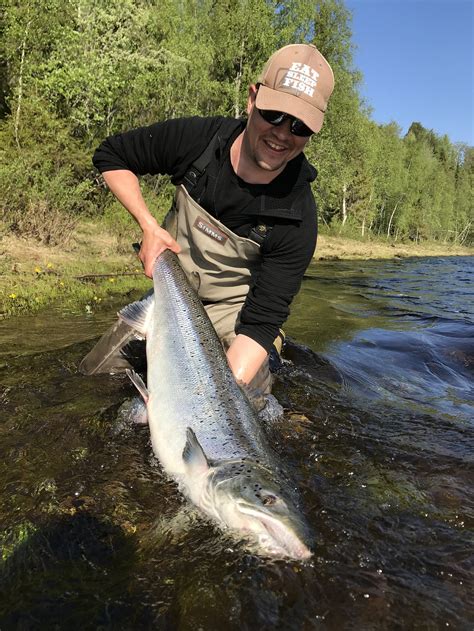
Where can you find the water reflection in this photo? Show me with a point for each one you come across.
(377, 432)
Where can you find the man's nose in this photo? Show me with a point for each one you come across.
(283, 131)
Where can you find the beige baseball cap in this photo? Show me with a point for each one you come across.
(297, 80)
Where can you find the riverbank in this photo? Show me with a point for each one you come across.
(333, 248)
(96, 265)
(82, 275)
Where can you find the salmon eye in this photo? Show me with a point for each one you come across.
(269, 500)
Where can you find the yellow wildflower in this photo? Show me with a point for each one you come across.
(12, 296)
(49, 265)
(112, 280)
(38, 270)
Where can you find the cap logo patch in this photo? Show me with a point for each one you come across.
(210, 230)
(300, 77)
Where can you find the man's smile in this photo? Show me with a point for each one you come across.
(275, 146)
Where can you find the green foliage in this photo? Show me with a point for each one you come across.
(76, 72)
(239, 48)
(13, 538)
(43, 180)
(28, 295)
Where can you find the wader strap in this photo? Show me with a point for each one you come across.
(199, 166)
(279, 341)
(257, 233)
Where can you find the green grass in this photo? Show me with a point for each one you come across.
(33, 277)
(27, 294)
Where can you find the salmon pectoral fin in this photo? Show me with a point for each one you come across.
(138, 383)
(193, 454)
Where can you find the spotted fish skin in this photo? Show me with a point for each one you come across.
(203, 429)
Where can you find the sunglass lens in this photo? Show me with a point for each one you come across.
(272, 117)
(298, 128)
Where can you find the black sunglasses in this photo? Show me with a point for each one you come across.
(297, 127)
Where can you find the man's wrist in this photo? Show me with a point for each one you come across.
(147, 222)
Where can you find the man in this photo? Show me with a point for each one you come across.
(244, 218)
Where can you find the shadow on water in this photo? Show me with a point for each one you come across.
(71, 572)
(377, 432)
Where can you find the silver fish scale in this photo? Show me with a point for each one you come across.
(190, 382)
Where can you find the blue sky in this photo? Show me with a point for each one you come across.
(417, 60)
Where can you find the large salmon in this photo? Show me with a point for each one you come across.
(204, 431)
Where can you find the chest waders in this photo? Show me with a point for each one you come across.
(220, 265)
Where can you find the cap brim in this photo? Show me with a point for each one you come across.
(268, 99)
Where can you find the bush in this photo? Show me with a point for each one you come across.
(44, 180)
(41, 202)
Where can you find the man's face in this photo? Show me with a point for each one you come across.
(269, 146)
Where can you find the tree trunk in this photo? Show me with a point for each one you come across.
(20, 86)
(382, 211)
(238, 83)
(463, 235)
(344, 207)
(391, 219)
(368, 208)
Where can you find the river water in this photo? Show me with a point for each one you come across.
(378, 431)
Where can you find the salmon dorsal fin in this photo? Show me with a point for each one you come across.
(138, 314)
(193, 453)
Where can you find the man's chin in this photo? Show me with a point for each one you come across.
(268, 166)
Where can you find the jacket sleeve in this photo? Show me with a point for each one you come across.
(285, 260)
(166, 148)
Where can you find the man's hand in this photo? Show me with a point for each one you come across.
(155, 241)
(126, 188)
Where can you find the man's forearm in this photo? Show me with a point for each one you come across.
(245, 356)
(126, 188)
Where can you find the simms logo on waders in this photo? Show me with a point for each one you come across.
(210, 230)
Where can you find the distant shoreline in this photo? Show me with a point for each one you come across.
(334, 248)
(95, 265)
